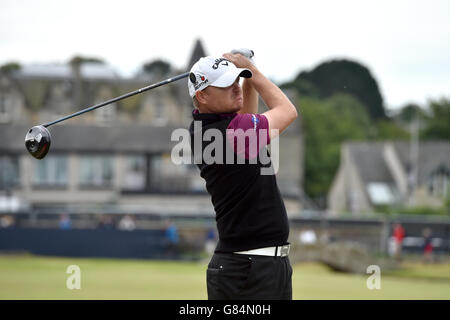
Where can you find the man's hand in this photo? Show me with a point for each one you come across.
(239, 60)
(250, 94)
(282, 112)
(246, 53)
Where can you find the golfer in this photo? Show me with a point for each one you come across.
(251, 258)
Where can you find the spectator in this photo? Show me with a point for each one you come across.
(6, 221)
(399, 235)
(172, 239)
(64, 222)
(427, 246)
(106, 222)
(210, 243)
(127, 223)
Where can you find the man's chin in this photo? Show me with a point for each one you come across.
(233, 109)
(238, 107)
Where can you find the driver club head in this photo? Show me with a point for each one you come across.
(37, 141)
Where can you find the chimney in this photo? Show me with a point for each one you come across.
(75, 64)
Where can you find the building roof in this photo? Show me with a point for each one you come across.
(68, 138)
(432, 154)
(89, 70)
(368, 158)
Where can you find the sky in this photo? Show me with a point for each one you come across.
(405, 44)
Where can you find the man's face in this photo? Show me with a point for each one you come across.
(223, 100)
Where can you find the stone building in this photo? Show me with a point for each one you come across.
(118, 156)
(390, 173)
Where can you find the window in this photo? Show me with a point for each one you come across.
(136, 173)
(196, 182)
(5, 108)
(439, 181)
(9, 172)
(50, 171)
(106, 115)
(165, 176)
(58, 98)
(160, 112)
(96, 171)
(380, 193)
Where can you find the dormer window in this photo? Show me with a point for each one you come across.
(5, 108)
(439, 181)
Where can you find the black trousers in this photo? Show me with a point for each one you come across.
(249, 277)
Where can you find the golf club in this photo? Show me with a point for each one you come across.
(38, 138)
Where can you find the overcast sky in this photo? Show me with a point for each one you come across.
(405, 44)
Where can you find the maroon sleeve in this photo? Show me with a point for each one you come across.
(248, 133)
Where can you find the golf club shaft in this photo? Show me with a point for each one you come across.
(127, 95)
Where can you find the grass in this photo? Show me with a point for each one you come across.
(37, 277)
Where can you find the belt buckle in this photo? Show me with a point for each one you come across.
(284, 250)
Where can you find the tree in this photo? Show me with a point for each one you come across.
(10, 67)
(157, 68)
(304, 87)
(80, 59)
(328, 123)
(388, 130)
(437, 126)
(343, 76)
(409, 113)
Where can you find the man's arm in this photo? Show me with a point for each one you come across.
(250, 98)
(249, 93)
(282, 112)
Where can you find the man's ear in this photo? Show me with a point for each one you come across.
(201, 96)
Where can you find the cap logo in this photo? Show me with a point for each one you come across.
(193, 78)
(218, 61)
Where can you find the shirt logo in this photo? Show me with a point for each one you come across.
(255, 121)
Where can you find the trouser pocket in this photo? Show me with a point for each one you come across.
(213, 284)
(227, 276)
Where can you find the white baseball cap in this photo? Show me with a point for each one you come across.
(215, 72)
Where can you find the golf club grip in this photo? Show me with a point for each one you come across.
(127, 95)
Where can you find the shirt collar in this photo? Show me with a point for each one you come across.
(205, 116)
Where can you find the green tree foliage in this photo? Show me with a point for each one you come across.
(388, 130)
(411, 112)
(157, 68)
(81, 59)
(340, 101)
(346, 77)
(9, 67)
(417, 210)
(304, 87)
(328, 123)
(438, 124)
